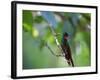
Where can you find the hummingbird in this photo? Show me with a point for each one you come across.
(66, 49)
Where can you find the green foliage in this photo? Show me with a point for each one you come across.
(87, 16)
(27, 20)
(38, 19)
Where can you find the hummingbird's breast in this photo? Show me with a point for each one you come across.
(66, 50)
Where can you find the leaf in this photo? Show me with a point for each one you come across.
(38, 19)
(27, 20)
(87, 16)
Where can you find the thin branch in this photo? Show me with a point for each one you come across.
(53, 52)
(56, 40)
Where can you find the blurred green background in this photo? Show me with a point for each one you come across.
(36, 32)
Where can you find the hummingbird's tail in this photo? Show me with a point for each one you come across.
(69, 63)
(72, 63)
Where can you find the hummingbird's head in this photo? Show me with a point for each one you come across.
(65, 36)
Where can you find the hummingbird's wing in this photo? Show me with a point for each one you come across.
(68, 56)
